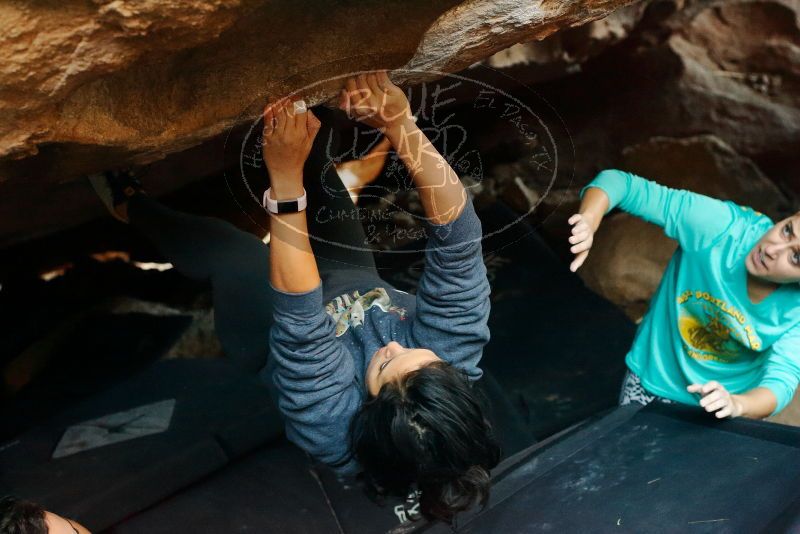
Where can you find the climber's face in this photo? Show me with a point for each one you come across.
(392, 362)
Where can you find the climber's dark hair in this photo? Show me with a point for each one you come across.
(18, 516)
(428, 429)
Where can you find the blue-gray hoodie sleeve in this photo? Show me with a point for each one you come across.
(314, 376)
(452, 307)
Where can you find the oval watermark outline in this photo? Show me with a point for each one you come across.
(440, 75)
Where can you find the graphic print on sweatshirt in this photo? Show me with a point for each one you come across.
(349, 309)
(712, 329)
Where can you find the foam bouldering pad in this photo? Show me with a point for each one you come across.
(269, 490)
(101, 350)
(124, 449)
(663, 468)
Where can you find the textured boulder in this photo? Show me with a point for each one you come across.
(565, 52)
(90, 85)
(731, 69)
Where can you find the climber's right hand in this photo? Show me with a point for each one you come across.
(373, 99)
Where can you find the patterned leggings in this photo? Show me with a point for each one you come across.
(632, 391)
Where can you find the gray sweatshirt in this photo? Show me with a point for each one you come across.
(319, 351)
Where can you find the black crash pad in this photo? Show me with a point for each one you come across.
(657, 469)
(277, 489)
(101, 350)
(663, 468)
(219, 413)
(269, 490)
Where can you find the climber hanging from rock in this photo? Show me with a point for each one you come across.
(367, 377)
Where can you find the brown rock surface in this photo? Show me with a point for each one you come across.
(564, 52)
(629, 255)
(85, 86)
(731, 69)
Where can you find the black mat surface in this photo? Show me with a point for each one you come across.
(102, 350)
(659, 469)
(269, 491)
(219, 414)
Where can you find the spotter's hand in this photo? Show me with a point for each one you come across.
(716, 399)
(581, 239)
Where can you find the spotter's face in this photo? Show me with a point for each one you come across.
(776, 256)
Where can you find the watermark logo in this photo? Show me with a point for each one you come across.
(362, 194)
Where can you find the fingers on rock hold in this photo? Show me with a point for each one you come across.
(299, 106)
(372, 82)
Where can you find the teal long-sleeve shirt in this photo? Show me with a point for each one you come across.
(701, 324)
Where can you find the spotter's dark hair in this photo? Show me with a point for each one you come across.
(18, 516)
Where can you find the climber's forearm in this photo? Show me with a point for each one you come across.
(441, 193)
(292, 266)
